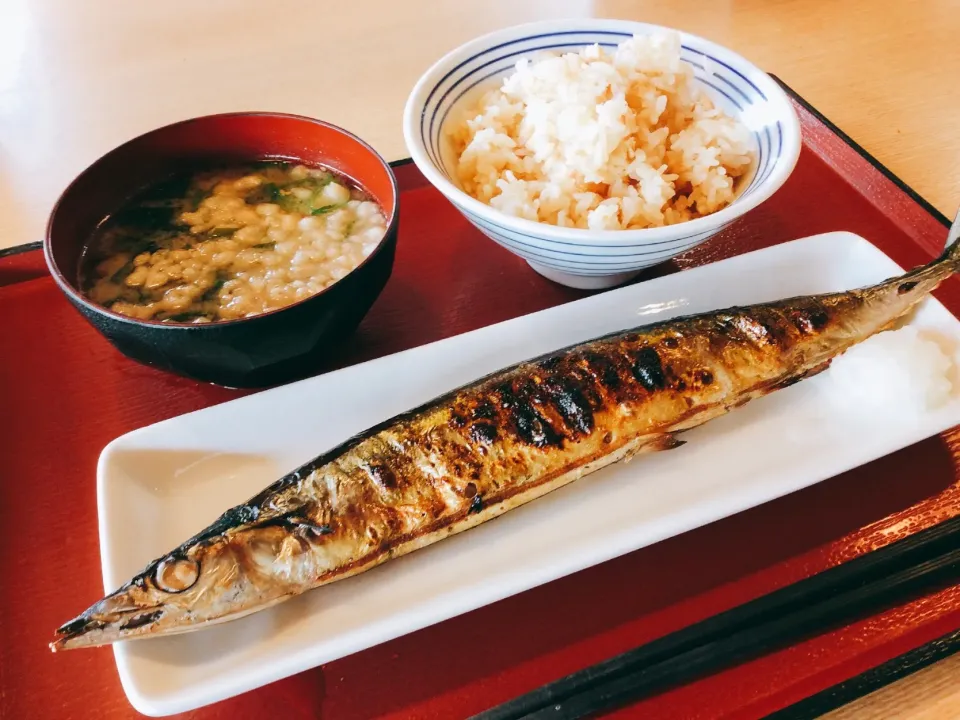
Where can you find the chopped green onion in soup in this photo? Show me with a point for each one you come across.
(230, 243)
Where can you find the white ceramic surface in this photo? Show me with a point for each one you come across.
(160, 484)
(587, 258)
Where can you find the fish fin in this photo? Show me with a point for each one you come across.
(794, 379)
(654, 443)
(667, 441)
(928, 276)
(951, 255)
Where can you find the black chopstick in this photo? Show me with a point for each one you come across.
(919, 563)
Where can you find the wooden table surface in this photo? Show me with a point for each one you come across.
(76, 79)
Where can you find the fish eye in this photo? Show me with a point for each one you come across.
(175, 575)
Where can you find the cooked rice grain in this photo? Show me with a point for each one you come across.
(602, 140)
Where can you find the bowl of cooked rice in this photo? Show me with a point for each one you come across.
(594, 149)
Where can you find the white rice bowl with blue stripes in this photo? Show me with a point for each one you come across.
(602, 140)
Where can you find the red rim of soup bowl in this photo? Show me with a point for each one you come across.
(320, 155)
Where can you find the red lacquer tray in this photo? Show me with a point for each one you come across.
(66, 393)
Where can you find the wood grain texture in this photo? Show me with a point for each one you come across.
(885, 72)
(71, 393)
(933, 693)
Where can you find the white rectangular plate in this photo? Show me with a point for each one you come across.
(159, 485)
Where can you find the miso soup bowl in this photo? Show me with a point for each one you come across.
(595, 259)
(258, 351)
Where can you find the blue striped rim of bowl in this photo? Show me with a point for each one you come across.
(597, 263)
(675, 245)
(737, 91)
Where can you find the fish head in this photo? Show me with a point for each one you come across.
(211, 578)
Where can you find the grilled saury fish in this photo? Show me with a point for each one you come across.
(483, 449)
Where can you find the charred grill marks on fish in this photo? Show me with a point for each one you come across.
(485, 448)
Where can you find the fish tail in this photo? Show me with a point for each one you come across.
(950, 256)
(891, 300)
(925, 278)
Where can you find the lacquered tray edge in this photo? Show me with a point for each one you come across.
(924, 655)
(874, 679)
(881, 675)
(859, 149)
